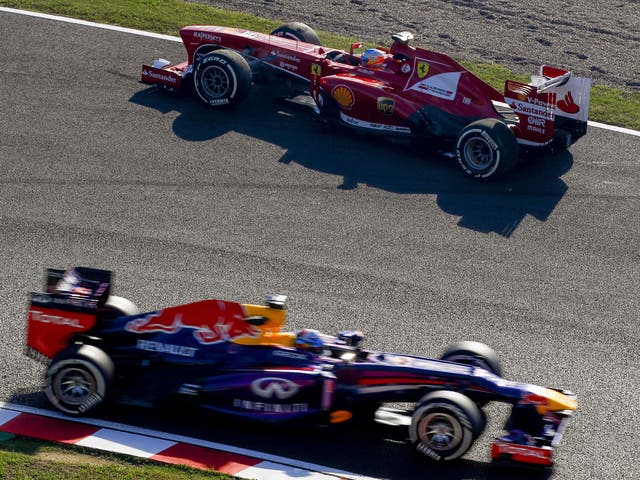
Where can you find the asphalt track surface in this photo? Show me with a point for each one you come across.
(184, 203)
(599, 39)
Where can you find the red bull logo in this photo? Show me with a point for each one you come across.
(213, 321)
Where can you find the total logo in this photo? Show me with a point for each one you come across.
(270, 387)
(39, 316)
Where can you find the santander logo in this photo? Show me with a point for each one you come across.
(568, 105)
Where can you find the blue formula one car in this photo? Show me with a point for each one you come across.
(236, 359)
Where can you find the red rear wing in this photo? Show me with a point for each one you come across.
(69, 306)
(553, 93)
(49, 330)
(535, 110)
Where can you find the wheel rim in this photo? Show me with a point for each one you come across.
(215, 82)
(440, 431)
(478, 153)
(74, 386)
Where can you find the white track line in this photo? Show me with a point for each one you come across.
(91, 24)
(626, 131)
(613, 128)
(169, 437)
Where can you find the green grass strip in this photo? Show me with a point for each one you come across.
(608, 105)
(24, 458)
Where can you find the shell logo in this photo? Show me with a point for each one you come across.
(344, 96)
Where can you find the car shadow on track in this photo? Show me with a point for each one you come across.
(499, 206)
(370, 449)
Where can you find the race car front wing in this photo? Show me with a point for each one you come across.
(531, 442)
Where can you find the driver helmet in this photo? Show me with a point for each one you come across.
(372, 58)
(309, 340)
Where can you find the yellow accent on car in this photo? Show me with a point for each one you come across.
(556, 401)
(271, 333)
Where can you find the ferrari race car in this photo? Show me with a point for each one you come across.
(408, 92)
(236, 359)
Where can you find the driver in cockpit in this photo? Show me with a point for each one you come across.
(373, 58)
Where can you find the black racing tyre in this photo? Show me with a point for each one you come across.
(116, 307)
(487, 149)
(78, 379)
(328, 108)
(473, 353)
(298, 31)
(222, 78)
(444, 425)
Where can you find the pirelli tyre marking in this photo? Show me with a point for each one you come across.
(222, 77)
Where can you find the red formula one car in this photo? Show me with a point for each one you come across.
(237, 359)
(398, 91)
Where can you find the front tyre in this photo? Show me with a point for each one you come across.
(78, 379)
(222, 78)
(487, 149)
(444, 425)
(473, 353)
(298, 31)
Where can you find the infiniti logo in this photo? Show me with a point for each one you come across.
(269, 387)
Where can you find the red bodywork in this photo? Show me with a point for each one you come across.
(212, 321)
(49, 330)
(416, 92)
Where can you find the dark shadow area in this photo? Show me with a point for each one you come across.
(372, 449)
(535, 188)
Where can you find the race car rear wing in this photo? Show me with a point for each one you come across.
(554, 99)
(68, 306)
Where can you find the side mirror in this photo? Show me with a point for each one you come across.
(276, 301)
(355, 46)
(352, 338)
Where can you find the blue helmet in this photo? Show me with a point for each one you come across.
(309, 340)
(372, 58)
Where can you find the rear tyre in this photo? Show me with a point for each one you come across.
(222, 78)
(487, 149)
(444, 425)
(116, 307)
(298, 31)
(78, 380)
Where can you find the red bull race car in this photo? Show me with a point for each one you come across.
(237, 359)
(400, 91)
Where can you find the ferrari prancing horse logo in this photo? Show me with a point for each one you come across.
(422, 68)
